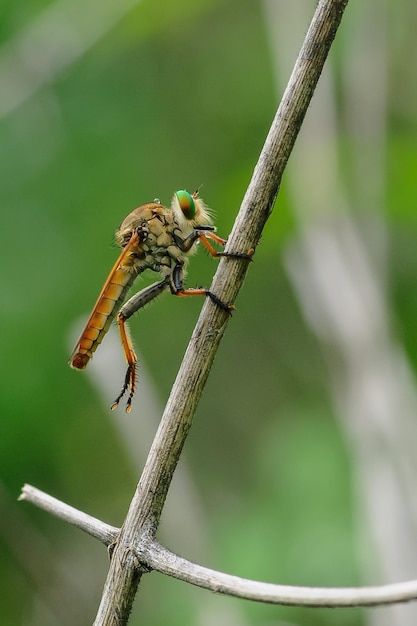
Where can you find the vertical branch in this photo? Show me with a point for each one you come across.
(145, 509)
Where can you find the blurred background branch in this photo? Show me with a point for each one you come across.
(61, 34)
(338, 265)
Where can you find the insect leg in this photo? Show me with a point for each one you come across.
(177, 289)
(135, 303)
(204, 233)
(204, 238)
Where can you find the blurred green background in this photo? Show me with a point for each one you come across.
(103, 108)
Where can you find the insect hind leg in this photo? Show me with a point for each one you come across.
(135, 303)
(131, 358)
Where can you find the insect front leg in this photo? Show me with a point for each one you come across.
(135, 303)
(203, 234)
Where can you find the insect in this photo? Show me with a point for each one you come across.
(160, 239)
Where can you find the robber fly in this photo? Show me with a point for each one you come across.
(160, 239)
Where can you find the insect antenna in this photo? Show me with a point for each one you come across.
(197, 191)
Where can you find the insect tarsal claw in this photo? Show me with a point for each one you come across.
(248, 256)
(223, 305)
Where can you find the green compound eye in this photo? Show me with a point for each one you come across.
(186, 202)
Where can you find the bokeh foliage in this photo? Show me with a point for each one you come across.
(175, 95)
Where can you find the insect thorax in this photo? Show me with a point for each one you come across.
(157, 248)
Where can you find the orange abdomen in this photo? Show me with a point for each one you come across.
(110, 299)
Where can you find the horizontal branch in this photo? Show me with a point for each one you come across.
(91, 525)
(155, 557)
(162, 560)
